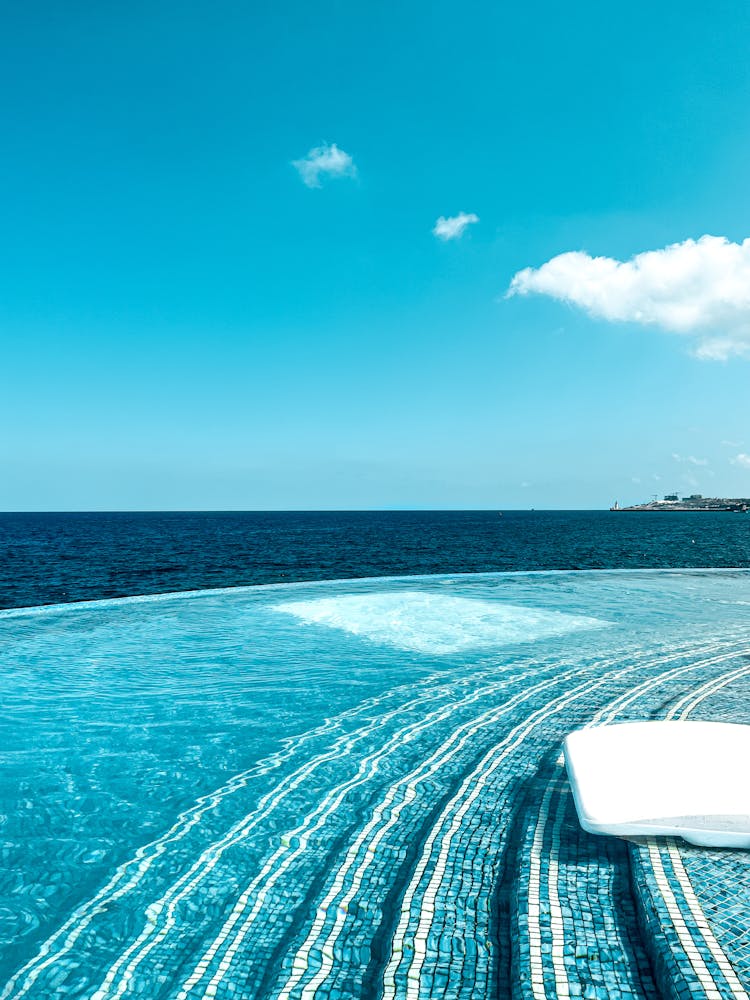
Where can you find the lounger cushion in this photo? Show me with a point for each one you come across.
(686, 779)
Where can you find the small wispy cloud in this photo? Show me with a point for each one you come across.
(732, 444)
(324, 161)
(699, 288)
(452, 227)
(689, 459)
(742, 460)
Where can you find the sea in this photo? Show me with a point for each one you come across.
(54, 558)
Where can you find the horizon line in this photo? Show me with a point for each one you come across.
(303, 510)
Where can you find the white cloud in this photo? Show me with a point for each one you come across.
(742, 459)
(699, 288)
(324, 161)
(452, 227)
(732, 444)
(690, 459)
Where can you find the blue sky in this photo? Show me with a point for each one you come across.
(186, 323)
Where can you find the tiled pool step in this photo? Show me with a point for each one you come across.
(572, 919)
(697, 938)
(721, 880)
(599, 917)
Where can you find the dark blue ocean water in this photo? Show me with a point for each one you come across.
(51, 558)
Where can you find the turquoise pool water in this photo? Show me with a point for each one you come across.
(315, 790)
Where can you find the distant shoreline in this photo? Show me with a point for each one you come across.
(689, 505)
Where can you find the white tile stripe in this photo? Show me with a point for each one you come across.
(692, 699)
(326, 906)
(556, 917)
(272, 871)
(300, 963)
(700, 968)
(137, 867)
(398, 941)
(701, 923)
(536, 966)
(141, 862)
(312, 822)
(152, 935)
(427, 911)
(398, 954)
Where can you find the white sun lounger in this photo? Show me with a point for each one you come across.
(684, 779)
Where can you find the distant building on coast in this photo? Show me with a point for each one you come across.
(695, 502)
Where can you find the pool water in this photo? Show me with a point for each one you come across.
(318, 789)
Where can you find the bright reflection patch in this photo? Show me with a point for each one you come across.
(435, 623)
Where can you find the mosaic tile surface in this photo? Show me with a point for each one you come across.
(218, 795)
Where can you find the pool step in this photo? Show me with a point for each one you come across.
(572, 917)
(694, 909)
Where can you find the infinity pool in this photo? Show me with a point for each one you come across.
(338, 789)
